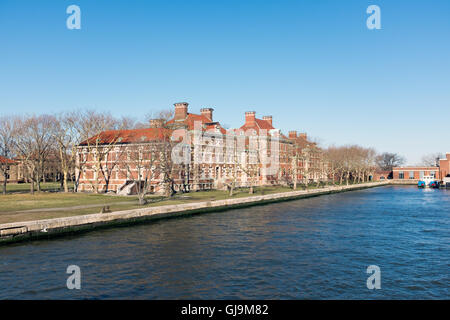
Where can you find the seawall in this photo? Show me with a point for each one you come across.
(404, 181)
(28, 230)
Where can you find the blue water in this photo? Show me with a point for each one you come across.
(317, 248)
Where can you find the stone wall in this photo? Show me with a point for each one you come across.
(17, 231)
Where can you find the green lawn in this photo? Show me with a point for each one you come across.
(25, 187)
(47, 205)
(12, 204)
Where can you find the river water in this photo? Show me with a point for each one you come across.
(317, 248)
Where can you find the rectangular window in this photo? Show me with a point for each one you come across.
(421, 175)
(401, 175)
(411, 175)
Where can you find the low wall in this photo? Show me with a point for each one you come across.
(404, 181)
(18, 231)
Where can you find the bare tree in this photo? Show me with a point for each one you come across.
(243, 155)
(143, 164)
(350, 163)
(67, 138)
(8, 128)
(128, 123)
(249, 159)
(295, 167)
(432, 159)
(386, 161)
(334, 157)
(167, 166)
(99, 133)
(33, 144)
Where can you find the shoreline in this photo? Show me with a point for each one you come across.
(56, 227)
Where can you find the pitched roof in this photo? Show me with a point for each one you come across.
(213, 127)
(7, 161)
(207, 124)
(259, 124)
(128, 136)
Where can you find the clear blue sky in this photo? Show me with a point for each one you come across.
(313, 64)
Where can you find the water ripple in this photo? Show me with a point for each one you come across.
(316, 248)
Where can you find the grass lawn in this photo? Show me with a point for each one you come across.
(25, 187)
(12, 204)
(16, 205)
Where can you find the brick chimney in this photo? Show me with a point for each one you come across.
(303, 135)
(207, 112)
(181, 110)
(268, 119)
(292, 134)
(250, 117)
(156, 123)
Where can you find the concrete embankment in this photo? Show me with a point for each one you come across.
(404, 182)
(19, 231)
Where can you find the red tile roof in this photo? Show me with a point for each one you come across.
(7, 161)
(214, 127)
(128, 136)
(259, 124)
(207, 124)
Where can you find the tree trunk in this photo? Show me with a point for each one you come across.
(4, 183)
(32, 186)
(77, 181)
(96, 182)
(97, 174)
(66, 187)
(38, 181)
(142, 200)
(106, 185)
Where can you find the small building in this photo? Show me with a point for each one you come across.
(414, 173)
(444, 167)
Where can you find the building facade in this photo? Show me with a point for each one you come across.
(12, 170)
(444, 167)
(414, 173)
(193, 152)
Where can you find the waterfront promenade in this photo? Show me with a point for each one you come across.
(17, 231)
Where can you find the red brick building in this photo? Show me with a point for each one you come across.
(310, 166)
(380, 175)
(255, 154)
(414, 173)
(444, 167)
(11, 166)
